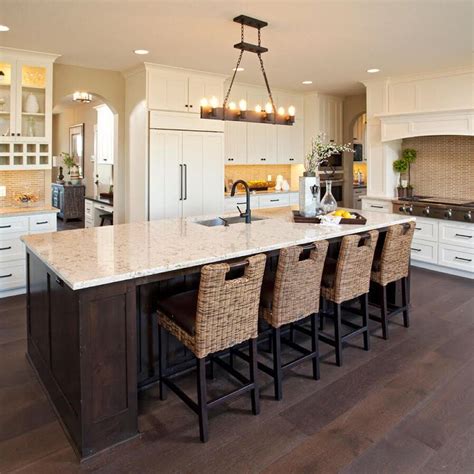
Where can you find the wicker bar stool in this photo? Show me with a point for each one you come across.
(293, 297)
(346, 279)
(221, 314)
(391, 265)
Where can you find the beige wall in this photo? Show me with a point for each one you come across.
(353, 106)
(110, 87)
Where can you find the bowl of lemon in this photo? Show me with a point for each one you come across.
(348, 217)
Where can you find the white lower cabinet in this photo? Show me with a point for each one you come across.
(445, 245)
(275, 200)
(261, 201)
(186, 172)
(376, 205)
(12, 249)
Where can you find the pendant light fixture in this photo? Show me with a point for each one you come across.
(83, 97)
(270, 114)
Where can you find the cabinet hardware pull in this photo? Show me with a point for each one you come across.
(417, 228)
(191, 106)
(185, 181)
(6, 276)
(274, 200)
(464, 235)
(292, 159)
(263, 159)
(42, 222)
(463, 259)
(5, 226)
(180, 182)
(376, 207)
(5, 248)
(416, 250)
(59, 281)
(241, 203)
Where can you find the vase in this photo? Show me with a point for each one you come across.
(328, 203)
(31, 104)
(309, 195)
(31, 127)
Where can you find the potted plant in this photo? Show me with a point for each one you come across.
(409, 156)
(400, 166)
(73, 169)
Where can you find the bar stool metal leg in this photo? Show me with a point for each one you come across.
(202, 399)
(277, 363)
(384, 312)
(255, 393)
(338, 333)
(315, 347)
(406, 315)
(364, 299)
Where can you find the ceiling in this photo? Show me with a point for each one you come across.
(330, 42)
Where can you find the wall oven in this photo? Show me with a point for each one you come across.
(358, 152)
(334, 163)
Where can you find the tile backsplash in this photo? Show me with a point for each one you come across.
(36, 181)
(444, 166)
(257, 172)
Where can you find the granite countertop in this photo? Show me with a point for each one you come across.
(12, 211)
(123, 252)
(102, 200)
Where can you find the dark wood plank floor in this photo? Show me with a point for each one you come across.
(406, 406)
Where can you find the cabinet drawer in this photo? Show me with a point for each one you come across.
(13, 275)
(294, 198)
(43, 223)
(274, 201)
(424, 251)
(89, 222)
(360, 192)
(11, 248)
(456, 234)
(460, 258)
(88, 208)
(426, 229)
(378, 206)
(13, 224)
(230, 204)
(103, 207)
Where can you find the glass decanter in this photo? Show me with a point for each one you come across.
(328, 203)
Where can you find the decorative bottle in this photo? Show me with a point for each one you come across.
(328, 203)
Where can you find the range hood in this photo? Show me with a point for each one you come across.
(429, 123)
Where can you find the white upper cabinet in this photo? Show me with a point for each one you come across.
(178, 90)
(261, 143)
(290, 140)
(105, 135)
(330, 118)
(235, 143)
(26, 87)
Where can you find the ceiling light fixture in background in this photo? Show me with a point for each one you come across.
(238, 69)
(82, 97)
(141, 52)
(4, 28)
(307, 82)
(373, 70)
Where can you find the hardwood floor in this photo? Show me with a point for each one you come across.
(406, 406)
(70, 225)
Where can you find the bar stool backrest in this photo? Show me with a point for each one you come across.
(297, 284)
(395, 257)
(227, 310)
(354, 263)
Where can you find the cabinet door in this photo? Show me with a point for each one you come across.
(213, 176)
(235, 142)
(193, 168)
(7, 101)
(33, 101)
(261, 143)
(167, 91)
(200, 87)
(290, 144)
(105, 135)
(165, 185)
(330, 118)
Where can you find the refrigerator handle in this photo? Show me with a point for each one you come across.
(180, 182)
(185, 182)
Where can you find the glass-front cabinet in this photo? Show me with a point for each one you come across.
(25, 109)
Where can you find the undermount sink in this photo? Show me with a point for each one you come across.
(226, 221)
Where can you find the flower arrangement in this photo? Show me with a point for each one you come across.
(320, 153)
(68, 160)
(26, 198)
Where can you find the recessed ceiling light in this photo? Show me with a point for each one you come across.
(4, 28)
(307, 82)
(239, 69)
(141, 51)
(372, 71)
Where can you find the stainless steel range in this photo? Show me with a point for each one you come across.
(435, 207)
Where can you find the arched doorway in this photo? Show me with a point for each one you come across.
(97, 121)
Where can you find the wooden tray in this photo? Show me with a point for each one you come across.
(359, 220)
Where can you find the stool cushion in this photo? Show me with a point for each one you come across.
(329, 272)
(266, 295)
(181, 309)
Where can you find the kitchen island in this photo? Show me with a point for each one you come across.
(91, 301)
